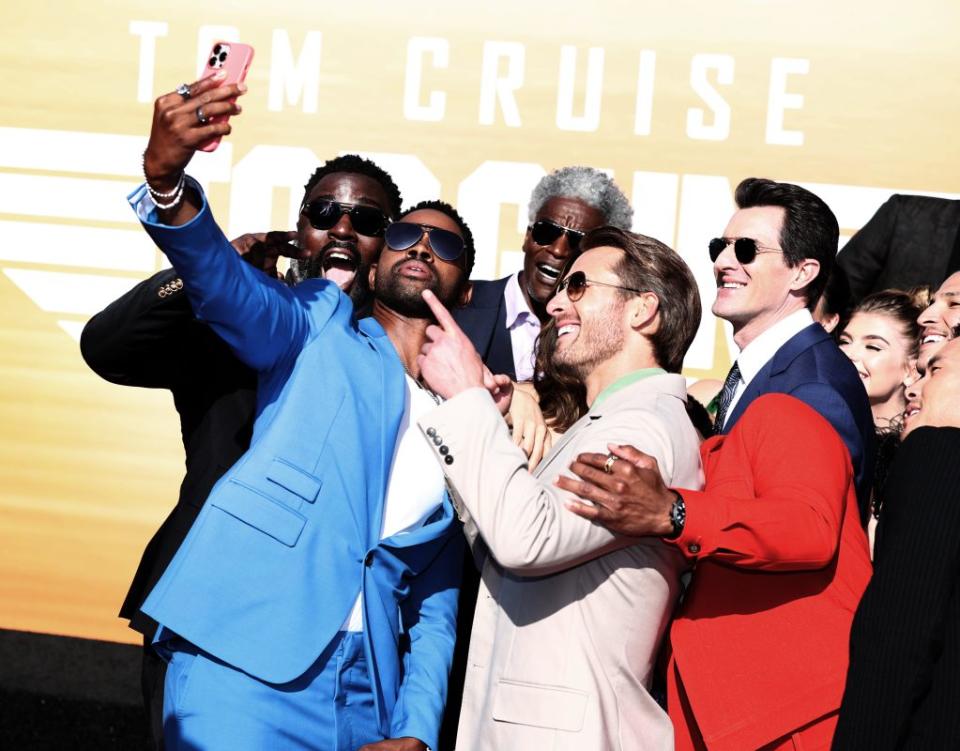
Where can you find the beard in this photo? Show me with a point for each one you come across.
(595, 344)
(403, 296)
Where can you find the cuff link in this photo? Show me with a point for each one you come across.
(170, 288)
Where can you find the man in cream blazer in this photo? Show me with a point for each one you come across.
(570, 617)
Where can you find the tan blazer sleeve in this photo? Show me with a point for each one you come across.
(523, 519)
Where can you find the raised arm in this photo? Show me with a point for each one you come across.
(259, 318)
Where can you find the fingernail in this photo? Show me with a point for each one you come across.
(219, 74)
(239, 109)
(242, 86)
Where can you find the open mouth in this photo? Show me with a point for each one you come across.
(728, 284)
(910, 411)
(549, 273)
(415, 270)
(340, 266)
(569, 328)
(932, 338)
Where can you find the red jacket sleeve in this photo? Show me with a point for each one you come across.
(775, 494)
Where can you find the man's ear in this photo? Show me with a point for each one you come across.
(643, 313)
(830, 322)
(805, 273)
(465, 295)
(372, 275)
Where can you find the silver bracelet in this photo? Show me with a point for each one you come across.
(156, 195)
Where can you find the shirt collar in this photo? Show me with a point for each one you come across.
(623, 381)
(515, 304)
(762, 349)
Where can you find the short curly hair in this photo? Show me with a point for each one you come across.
(445, 208)
(357, 165)
(593, 187)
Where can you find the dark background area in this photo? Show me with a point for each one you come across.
(63, 693)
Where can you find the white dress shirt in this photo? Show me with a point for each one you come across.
(524, 328)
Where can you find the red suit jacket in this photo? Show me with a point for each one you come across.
(781, 561)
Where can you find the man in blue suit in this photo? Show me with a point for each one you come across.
(313, 602)
(771, 266)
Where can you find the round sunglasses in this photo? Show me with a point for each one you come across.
(545, 232)
(576, 284)
(745, 248)
(446, 245)
(323, 214)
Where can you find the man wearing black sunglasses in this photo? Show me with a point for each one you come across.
(150, 338)
(315, 597)
(504, 316)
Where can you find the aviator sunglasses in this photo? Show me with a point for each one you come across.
(576, 284)
(545, 232)
(745, 248)
(366, 220)
(446, 245)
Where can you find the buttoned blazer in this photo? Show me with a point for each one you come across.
(910, 241)
(810, 367)
(150, 338)
(569, 615)
(484, 321)
(290, 535)
(781, 563)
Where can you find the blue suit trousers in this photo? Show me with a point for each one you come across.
(209, 705)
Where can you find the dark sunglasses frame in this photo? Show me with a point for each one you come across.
(545, 232)
(323, 214)
(576, 284)
(745, 248)
(446, 245)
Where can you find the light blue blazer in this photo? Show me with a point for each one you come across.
(291, 533)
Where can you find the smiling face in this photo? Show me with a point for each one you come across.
(591, 330)
(935, 400)
(877, 346)
(399, 277)
(940, 318)
(755, 295)
(344, 255)
(542, 264)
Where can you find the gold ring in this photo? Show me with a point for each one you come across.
(608, 465)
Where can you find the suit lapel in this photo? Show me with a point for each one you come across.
(781, 360)
(392, 402)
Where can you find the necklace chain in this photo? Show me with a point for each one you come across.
(430, 392)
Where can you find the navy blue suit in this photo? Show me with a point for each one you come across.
(484, 321)
(810, 367)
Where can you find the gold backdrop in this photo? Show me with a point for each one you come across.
(678, 100)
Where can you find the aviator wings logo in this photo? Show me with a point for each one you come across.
(71, 242)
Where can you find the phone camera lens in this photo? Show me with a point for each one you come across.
(223, 56)
(216, 50)
(213, 62)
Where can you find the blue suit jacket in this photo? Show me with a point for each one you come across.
(291, 533)
(484, 321)
(810, 367)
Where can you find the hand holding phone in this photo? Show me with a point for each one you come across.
(233, 59)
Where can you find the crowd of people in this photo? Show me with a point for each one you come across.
(425, 511)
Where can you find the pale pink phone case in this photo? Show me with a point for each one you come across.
(235, 59)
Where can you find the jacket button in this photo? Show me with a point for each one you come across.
(693, 548)
(431, 432)
(444, 451)
(448, 459)
(437, 440)
(368, 561)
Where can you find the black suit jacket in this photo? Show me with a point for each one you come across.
(910, 241)
(902, 687)
(484, 321)
(149, 337)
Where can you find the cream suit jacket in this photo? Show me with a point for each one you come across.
(570, 616)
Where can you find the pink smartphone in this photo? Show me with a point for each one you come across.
(235, 59)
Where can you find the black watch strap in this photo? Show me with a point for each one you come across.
(678, 515)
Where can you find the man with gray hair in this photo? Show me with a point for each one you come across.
(503, 317)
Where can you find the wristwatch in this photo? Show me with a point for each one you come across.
(678, 515)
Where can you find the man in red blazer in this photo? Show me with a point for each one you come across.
(759, 647)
